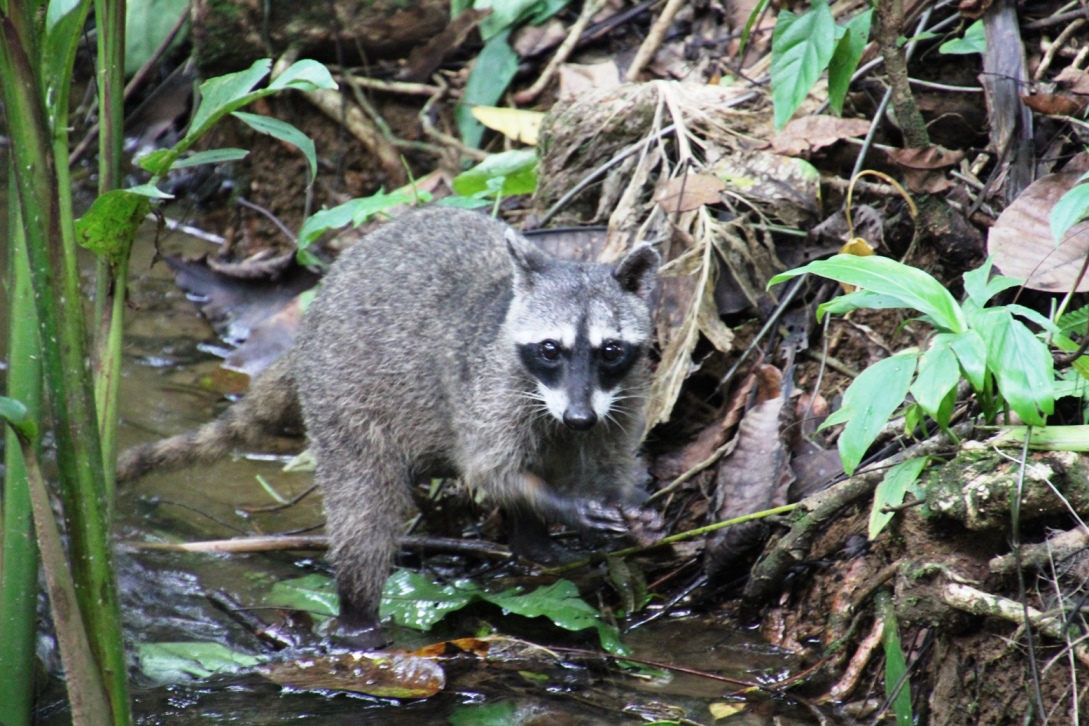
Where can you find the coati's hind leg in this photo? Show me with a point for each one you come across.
(365, 505)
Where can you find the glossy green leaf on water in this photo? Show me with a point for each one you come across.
(844, 61)
(186, 661)
(562, 604)
(516, 168)
(891, 491)
(316, 594)
(416, 602)
(801, 47)
(109, 226)
(503, 713)
(869, 403)
(285, 132)
(913, 287)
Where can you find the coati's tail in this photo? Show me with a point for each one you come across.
(270, 406)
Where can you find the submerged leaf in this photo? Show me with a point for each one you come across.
(185, 661)
(384, 675)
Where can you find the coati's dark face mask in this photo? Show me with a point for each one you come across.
(579, 328)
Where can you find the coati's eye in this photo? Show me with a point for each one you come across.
(612, 351)
(549, 350)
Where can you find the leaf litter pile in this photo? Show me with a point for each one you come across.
(869, 358)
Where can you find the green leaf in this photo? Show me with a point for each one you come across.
(157, 162)
(459, 202)
(64, 21)
(869, 403)
(415, 602)
(15, 415)
(181, 662)
(844, 61)
(109, 227)
(1021, 364)
(285, 132)
(972, 353)
(560, 603)
(147, 24)
(504, 15)
(938, 375)
(504, 713)
(356, 211)
(896, 668)
(1071, 208)
(492, 72)
(311, 593)
(755, 15)
(890, 492)
(211, 156)
(974, 41)
(981, 287)
(150, 191)
(517, 169)
(801, 47)
(858, 300)
(304, 75)
(915, 288)
(221, 95)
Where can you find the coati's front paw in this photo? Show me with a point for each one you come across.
(600, 517)
(644, 525)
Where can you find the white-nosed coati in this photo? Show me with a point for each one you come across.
(446, 344)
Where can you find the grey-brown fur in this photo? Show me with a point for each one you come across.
(405, 369)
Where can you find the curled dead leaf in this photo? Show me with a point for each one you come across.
(688, 192)
(924, 168)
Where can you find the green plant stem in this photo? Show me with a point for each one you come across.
(679, 537)
(111, 283)
(41, 179)
(19, 573)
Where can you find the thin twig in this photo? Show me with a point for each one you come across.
(589, 10)
(653, 40)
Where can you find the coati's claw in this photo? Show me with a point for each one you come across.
(644, 525)
(601, 517)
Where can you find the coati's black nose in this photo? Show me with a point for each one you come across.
(579, 419)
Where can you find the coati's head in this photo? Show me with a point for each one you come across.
(579, 328)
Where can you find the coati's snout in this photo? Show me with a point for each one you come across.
(577, 381)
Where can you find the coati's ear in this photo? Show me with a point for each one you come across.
(637, 271)
(528, 261)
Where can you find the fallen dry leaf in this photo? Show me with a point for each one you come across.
(514, 123)
(809, 133)
(688, 192)
(1023, 247)
(385, 675)
(924, 169)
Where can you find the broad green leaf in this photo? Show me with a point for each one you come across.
(221, 95)
(354, 212)
(858, 300)
(157, 162)
(147, 24)
(801, 47)
(1032, 316)
(15, 415)
(314, 593)
(109, 227)
(504, 713)
(844, 61)
(974, 41)
(981, 287)
(285, 132)
(492, 72)
(915, 288)
(1021, 364)
(1071, 208)
(211, 156)
(562, 604)
(896, 668)
(304, 75)
(938, 375)
(504, 14)
(415, 602)
(890, 492)
(181, 662)
(869, 403)
(972, 353)
(150, 191)
(517, 168)
(64, 21)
